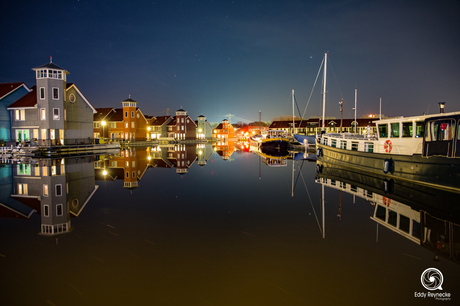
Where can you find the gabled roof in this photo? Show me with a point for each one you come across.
(160, 120)
(81, 95)
(219, 127)
(102, 113)
(117, 115)
(7, 88)
(29, 100)
(129, 100)
(173, 121)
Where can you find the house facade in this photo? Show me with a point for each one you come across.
(9, 93)
(223, 131)
(203, 128)
(53, 112)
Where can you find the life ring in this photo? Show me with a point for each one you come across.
(386, 201)
(387, 146)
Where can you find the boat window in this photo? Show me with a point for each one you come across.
(440, 130)
(354, 145)
(392, 217)
(395, 129)
(334, 143)
(383, 130)
(353, 188)
(419, 129)
(407, 129)
(404, 223)
(343, 144)
(381, 213)
(415, 229)
(369, 147)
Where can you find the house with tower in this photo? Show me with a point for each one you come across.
(53, 112)
(204, 128)
(224, 131)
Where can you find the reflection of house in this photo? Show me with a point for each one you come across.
(225, 149)
(54, 112)
(56, 188)
(129, 166)
(224, 131)
(9, 93)
(128, 123)
(314, 126)
(204, 128)
(250, 130)
(203, 153)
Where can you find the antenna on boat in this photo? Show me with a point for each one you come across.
(380, 116)
(356, 101)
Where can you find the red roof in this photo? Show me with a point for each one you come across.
(160, 120)
(102, 113)
(6, 88)
(28, 100)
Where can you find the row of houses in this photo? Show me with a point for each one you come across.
(54, 112)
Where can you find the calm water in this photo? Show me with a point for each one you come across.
(196, 226)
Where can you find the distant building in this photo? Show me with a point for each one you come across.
(128, 123)
(224, 131)
(204, 128)
(53, 112)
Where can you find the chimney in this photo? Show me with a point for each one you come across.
(441, 107)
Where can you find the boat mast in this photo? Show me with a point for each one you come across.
(324, 89)
(293, 122)
(356, 101)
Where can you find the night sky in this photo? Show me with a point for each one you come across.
(238, 57)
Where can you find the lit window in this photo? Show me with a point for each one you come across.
(42, 114)
(55, 113)
(23, 189)
(20, 114)
(126, 126)
(45, 190)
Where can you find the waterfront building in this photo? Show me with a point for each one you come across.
(224, 148)
(223, 131)
(204, 128)
(54, 112)
(185, 126)
(128, 122)
(159, 127)
(9, 93)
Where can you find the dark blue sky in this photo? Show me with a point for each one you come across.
(239, 57)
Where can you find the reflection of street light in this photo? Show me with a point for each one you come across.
(148, 132)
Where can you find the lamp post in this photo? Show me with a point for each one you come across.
(103, 126)
(148, 132)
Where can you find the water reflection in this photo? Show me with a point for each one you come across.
(426, 216)
(56, 189)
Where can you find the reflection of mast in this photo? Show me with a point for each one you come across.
(260, 170)
(292, 193)
(322, 209)
(340, 205)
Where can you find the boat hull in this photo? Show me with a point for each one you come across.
(437, 172)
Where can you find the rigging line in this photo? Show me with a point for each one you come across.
(298, 175)
(337, 81)
(314, 211)
(313, 88)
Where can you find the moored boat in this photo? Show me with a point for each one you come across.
(275, 140)
(422, 149)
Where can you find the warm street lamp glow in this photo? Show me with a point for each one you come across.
(103, 123)
(148, 128)
(104, 172)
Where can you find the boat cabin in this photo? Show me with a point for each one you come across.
(275, 134)
(442, 136)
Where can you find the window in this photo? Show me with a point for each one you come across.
(133, 125)
(23, 189)
(132, 114)
(55, 113)
(20, 114)
(96, 124)
(59, 210)
(58, 190)
(440, 130)
(55, 93)
(42, 93)
(419, 129)
(383, 130)
(113, 125)
(134, 163)
(134, 174)
(368, 147)
(45, 190)
(392, 217)
(127, 174)
(42, 114)
(182, 127)
(407, 129)
(395, 129)
(24, 169)
(354, 145)
(46, 210)
(182, 120)
(381, 213)
(126, 126)
(343, 144)
(126, 114)
(404, 223)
